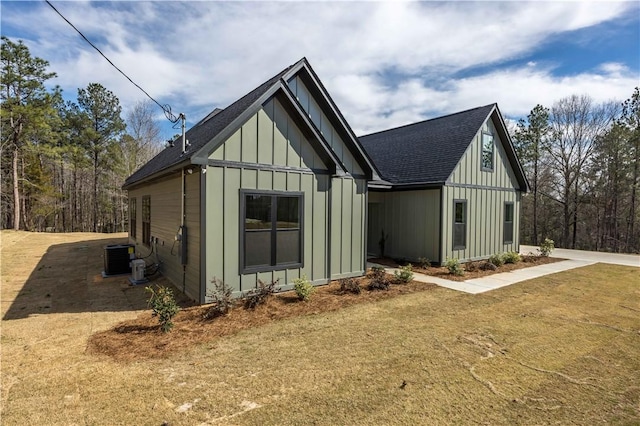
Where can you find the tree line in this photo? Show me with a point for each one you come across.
(581, 159)
(63, 163)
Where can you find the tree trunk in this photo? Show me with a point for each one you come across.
(74, 212)
(16, 191)
(632, 205)
(95, 192)
(575, 215)
(535, 201)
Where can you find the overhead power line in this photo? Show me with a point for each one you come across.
(166, 108)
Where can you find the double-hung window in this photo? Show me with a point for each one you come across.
(132, 218)
(487, 151)
(146, 220)
(508, 223)
(459, 224)
(271, 230)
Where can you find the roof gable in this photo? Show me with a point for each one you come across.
(218, 125)
(427, 153)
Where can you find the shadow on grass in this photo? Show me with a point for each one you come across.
(68, 279)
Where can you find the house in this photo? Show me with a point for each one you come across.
(450, 188)
(273, 187)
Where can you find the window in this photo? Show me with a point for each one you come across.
(487, 151)
(146, 220)
(132, 218)
(271, 231)
(459, 224)
(508, 223)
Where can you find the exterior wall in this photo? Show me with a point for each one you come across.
(165, 220)
(485, 222)
(321, 121)
(486, 193)
(348, 214)
(411, 219)
(269, 152)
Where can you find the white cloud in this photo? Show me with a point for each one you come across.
(385, 63)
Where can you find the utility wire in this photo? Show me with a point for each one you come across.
(166, 108)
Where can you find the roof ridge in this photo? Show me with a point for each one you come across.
(428, 120)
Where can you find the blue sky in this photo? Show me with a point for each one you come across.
(384, 63)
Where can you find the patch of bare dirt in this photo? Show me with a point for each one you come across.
(472, 269)
(141, 338)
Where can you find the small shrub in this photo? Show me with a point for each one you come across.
(378, 284)
(163, 305)
(496, 259)
(424, 262)
(546, 247)
(303, 288)
(488, 266)
(471, 267)
(454, 267)
(221, 299)
(377, 271)
(349, 285)
(259, 295)
(405, 274)
(379, 280)
(511, 257)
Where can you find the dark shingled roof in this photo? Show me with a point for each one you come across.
(201, 133)
(426, 152)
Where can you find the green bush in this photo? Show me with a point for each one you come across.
(496, 259)
(349, 285)
(454, 267)
(424, 262)
(546, 247)
(259, 295)
(405, 274)
(163, 305)
(303, 288)
(511, 257)
(221, 299)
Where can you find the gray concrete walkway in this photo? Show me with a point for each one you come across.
(575, 259)
(591, 256)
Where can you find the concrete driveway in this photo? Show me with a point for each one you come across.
(589, 256)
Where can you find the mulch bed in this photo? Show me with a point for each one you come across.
(142, 338)
(472, 269)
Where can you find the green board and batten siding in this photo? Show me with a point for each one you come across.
(486, 193)
(270, 152)
(349, 195)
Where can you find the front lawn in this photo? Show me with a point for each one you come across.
(561, 349)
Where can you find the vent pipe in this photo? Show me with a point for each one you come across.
(183, 118)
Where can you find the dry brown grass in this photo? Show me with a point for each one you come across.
(561, 349)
